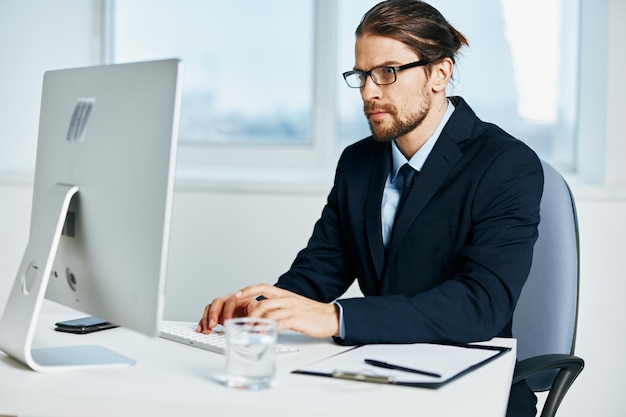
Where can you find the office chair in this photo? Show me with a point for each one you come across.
(544, 321)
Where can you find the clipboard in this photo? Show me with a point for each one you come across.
(437, 364)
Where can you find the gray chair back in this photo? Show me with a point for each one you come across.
(545, 318)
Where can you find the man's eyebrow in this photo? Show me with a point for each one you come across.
(382, 64)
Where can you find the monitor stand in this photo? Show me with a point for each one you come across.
(19, 321)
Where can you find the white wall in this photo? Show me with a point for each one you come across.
(222, 240)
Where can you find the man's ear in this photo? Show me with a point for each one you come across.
(441, 73)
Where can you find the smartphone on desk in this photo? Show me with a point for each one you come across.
(83, 325)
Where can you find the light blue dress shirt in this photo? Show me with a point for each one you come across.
(393, 186)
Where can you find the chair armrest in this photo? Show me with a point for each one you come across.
(568, 368)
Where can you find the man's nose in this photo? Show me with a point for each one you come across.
(371, 90)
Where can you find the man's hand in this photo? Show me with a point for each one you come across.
(291, 311)
(224, 308)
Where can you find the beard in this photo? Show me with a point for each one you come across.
(400, 126)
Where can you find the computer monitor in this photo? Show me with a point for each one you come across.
(101, 208)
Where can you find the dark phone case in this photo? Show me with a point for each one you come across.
(83, 325)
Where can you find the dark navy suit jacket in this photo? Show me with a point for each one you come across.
(461, 248)
(460, 251)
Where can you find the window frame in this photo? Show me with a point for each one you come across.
(288, 167)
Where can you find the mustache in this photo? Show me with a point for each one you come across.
(371, 107)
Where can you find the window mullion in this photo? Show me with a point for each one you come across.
(324, 122)
(107, 34)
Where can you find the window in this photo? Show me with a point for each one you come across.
(263, 82)
(238, 87)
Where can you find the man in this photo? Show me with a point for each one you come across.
(449, 264)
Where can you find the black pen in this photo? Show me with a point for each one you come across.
(386, 365)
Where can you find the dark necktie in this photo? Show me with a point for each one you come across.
(408, 177)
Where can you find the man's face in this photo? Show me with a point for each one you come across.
(396, 109)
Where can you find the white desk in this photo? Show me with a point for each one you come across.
(171, 379)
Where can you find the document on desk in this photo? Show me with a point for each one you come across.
(422, 365)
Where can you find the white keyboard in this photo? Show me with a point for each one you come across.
(215, 341)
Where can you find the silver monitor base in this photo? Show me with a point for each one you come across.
(82, 356)
(19, 320)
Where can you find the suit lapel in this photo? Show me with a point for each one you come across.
(381, 168)
(441, 160)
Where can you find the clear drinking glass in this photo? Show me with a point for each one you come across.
(251, 352)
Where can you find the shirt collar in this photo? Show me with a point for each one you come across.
(417, 161)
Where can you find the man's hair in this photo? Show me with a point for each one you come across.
(416, 24)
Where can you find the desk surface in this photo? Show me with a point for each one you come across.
(171, 379)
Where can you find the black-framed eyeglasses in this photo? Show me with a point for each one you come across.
(380, 75)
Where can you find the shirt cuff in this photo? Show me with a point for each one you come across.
(342, 331)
